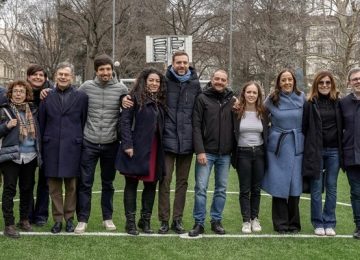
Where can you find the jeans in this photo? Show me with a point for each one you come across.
(13, 172)
(130, 194)
(91, 153)
(250, 167)
(183, 164)
(202, 175)
(353, 174)
(325, 217)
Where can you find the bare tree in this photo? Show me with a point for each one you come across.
(11, 42)
(43, 31)
(91, 20)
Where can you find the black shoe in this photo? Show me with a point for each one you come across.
(144, 223)
(356, 234)
(56, 228)
(10, 231)
(40, 223)
(197, 230)
(70, 227)
(164, 227)
(217, 228)
(177, 226)
(130, 225)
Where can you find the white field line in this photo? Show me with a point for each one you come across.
(184, 236)
(228, 192)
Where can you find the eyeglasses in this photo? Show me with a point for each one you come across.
(355, 80)
(19, 91)
(323, 83)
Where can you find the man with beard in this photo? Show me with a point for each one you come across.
(213, 142)
(100, 141)
(350, 108)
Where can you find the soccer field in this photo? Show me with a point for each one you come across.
(98, 244)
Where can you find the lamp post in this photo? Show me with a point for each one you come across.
(113, 31)
(230, 42)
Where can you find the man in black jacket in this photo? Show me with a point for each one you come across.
(350, 107)
(213, 141)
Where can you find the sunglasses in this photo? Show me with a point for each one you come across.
(322, 82)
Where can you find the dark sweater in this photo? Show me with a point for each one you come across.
(328, 122)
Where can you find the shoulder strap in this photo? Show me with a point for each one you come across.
(7, 113)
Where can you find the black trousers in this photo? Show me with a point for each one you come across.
(13, 172)
(39, 210)
(285, 214)
(147, 198)
(250, 167)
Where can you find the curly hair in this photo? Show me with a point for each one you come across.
(139, 90)
(314, 91)
(275, 96)
(259, 106)
(22, 83)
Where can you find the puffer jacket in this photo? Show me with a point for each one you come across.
(178, 119)
(10, 137)
(103, 110)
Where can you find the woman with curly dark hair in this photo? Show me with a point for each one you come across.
(140, 156)
(19, 154)
(250, 126)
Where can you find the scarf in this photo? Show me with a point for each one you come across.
(180, 78)
(26, 125)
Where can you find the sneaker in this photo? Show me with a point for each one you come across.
(109, 225)
(80, 228)
(330, 232)
(255, 225)
(319, 231)
(246, 228)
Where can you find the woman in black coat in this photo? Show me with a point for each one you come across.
(19, 154)
(140, 156)
(322, 129)
(250, 127)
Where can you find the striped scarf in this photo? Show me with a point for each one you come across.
(26, 125)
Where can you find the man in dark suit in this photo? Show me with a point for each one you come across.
(62, 117)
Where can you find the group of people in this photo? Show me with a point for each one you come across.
(285, 145)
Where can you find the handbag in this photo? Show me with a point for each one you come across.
(10, 117)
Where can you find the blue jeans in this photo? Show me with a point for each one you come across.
(353, 173)
(202, 175)
(91, 153)
(330, 164)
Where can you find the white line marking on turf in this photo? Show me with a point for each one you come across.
(228, 192)
(185, 236)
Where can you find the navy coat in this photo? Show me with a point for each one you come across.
(149, 120)
(180, 101)
(62, 133)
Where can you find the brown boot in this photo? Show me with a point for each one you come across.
(24, 225)
(10, 231)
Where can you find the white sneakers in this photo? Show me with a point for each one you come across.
(80, 228)
(327, 231)
(255, 225)
(109, 225)
(246, 228)
(330, 232)
(319, 231)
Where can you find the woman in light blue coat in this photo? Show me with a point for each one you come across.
(283, 179)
